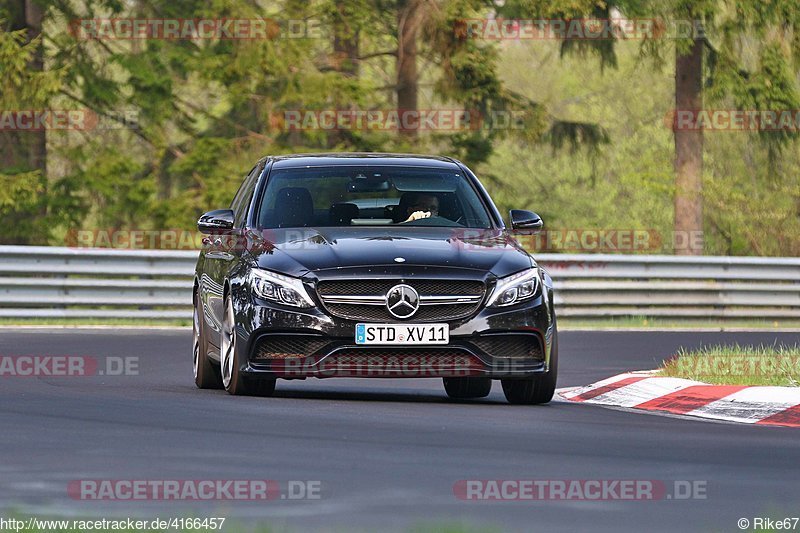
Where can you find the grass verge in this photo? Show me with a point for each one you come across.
(643, 322)
(737, 365)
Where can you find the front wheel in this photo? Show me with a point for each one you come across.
(233, 379)
(206, 374)
(536, 390)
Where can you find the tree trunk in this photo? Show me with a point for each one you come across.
(345, 59)
(408, 21)
(37, 152)
(688, 152)
(24, 151)
(345, 46)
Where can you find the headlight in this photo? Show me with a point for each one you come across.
(515, 288)
(279, 288)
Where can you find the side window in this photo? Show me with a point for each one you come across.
(243, 196)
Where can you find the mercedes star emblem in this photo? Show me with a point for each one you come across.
(402, 301)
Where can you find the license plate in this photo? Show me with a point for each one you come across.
(402, 334)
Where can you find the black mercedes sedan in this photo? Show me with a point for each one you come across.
(371, 265)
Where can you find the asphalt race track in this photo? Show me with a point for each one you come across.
(386, 452)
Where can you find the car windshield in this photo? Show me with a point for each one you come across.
(370, 196)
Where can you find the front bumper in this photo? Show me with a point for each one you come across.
(512, 342)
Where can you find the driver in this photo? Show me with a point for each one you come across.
(423, 206)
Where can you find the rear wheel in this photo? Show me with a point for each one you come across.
(233, 379)
(206, 374)
(536, 390)
(466, 388)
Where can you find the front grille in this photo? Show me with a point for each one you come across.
(379, 288)
(379, 313)
(510, 346)
(288, 346)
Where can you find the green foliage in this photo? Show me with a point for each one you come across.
(19, 189)
(22, 185)
(18, 84)
(737, 365)
(751, 206)
(182, 121)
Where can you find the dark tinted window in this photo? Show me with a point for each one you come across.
(370, 196)
(241, 200)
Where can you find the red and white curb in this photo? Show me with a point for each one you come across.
(767, 406)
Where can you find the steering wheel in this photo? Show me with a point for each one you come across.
(433, 221)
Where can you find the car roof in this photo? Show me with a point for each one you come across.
(362, 159)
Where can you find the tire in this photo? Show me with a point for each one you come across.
(536, 390)
(206, 373)
(233, 379)
(466, 388)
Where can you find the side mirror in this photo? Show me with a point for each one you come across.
(525, 220)
(215, 222)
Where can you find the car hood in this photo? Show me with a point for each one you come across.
(298, 251)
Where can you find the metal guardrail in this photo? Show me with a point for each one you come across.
(154, 284)
(49, 282)
(593, 286)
